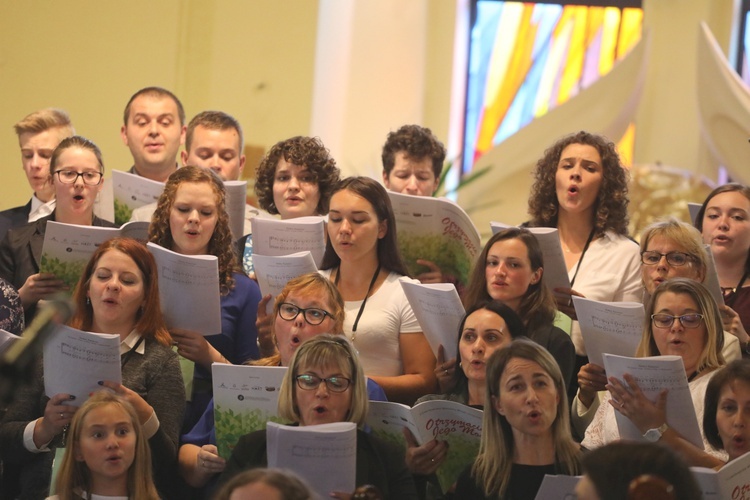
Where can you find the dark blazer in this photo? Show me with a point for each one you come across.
(378, 463)
(14, 217)
(21, 252)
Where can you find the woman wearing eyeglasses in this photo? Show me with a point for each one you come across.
(682, 319)
(325, 384)
(669, 249)
(308, 306)
(76, 171)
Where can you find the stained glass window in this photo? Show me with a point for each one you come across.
(527, 58)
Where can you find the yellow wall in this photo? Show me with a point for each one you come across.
(252, 59)
(255, 60)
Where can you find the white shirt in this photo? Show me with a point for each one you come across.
(386, 316)
(610, 272)
(40, 208)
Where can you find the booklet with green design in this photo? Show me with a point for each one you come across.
(457, 424)
(68, 247)
(132, 191)
(245, 399)
(436, 230)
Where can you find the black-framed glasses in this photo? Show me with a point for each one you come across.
(667, 320)
(308, 382)
(90, 177)
(676, 259)
(312, 315)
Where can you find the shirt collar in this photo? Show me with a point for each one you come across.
(40, 208)
(130, 341)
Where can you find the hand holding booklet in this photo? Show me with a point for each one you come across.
(653, 375)
(75, 361)
(457, 424)
(324, 455)
(437, 230)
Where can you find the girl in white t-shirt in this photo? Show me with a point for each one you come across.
(363, 260)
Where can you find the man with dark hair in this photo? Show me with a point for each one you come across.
(153, 130)
(412, 161)
(39, 133)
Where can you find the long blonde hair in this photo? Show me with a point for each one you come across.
(74, 477)
(711, 356)
(493, 464)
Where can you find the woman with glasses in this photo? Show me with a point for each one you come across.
(669, 249)
(76, 171)
(682, 319)
(191, 219)
(308, 306)
(325, 384)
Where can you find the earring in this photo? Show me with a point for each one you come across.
(88, 301)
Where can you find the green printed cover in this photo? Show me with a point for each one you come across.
(132, 191)
(457, 424)
(437, 230)
(122, 212)
(68, 247)
(245, 399)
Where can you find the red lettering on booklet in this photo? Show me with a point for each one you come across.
(452, 229)
(741, 492)
(443, 427)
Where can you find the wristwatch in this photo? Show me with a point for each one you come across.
(653, 435)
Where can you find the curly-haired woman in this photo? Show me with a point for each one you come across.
(581, 188)
(294, 179)
(191, 219)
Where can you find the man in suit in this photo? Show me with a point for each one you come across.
(38, 135)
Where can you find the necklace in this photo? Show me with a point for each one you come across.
(362, 307)
(580, 260)
(729, 292)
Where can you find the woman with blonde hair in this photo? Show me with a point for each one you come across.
(682, 319)
(669, 249)
(309, 305)
(191, 219)
(325, 384)
(525, 431)
(107, 453)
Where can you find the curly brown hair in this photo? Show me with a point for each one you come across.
(304, 151)
(220, 243)
(611, 210)
(418, 143)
